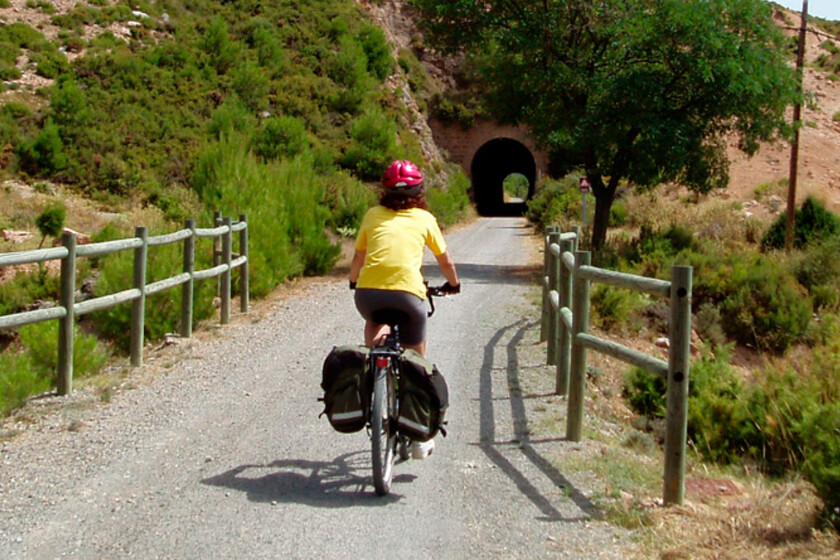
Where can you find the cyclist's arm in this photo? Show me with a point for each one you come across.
(356, 264)
(447, 267)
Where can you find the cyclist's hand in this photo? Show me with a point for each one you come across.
(352, 285)
(450, 290)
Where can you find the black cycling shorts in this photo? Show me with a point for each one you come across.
(394, 307)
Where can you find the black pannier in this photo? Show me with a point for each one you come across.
(347, 388)
(424, 398)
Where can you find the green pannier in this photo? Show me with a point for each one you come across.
(424, 398)
(347, 388)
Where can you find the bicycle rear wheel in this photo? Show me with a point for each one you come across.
(383, 439)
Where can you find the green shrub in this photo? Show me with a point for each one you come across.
(612, 307)
(251, 85)
(19, 380)
(556, 203)
(813, 222)
(348, 200)
(44, 153)
(415, 73)
(645, 393)
(450, 204)
(281, 137)
(41, 344)
(163, 309)
(231, 116)
(373, 146)
(221, 51)
(380, 63)
(763, 306)
(50, 221)
(818, 269)
(17, 294)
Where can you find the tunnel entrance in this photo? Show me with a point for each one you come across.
(499, 166)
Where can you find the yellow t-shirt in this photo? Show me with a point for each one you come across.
(394, 241)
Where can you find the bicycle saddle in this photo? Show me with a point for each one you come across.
(390, 317)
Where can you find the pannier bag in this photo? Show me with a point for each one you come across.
(346, 388)
(424, 398)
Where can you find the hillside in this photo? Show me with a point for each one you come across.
(819, 163)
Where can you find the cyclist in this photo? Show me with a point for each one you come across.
(386, 267)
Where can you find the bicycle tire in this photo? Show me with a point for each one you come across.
(383, 440)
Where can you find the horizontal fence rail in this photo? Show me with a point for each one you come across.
(67, 309)
(567, 276)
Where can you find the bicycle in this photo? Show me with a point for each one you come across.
(384, 369)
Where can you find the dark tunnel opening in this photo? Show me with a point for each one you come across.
(495, 161)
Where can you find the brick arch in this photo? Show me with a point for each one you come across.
(488, 152)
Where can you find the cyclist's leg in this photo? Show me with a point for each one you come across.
(375, 333)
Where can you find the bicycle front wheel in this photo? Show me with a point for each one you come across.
(383, 438)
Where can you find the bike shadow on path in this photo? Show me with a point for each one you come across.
(522, 441)
(329, 484)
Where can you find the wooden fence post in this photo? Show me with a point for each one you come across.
(138, 306)
(225, 284)
(66, 325)
(580, 324)
(564, 358)
(676, 428)
(244, 276)
(546, 301)
(553, 270)
(188, 289)
(217, 253)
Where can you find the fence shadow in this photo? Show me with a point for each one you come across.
(522, 441)
(329, 484)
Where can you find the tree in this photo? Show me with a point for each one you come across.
(50, 222)
(646, 91)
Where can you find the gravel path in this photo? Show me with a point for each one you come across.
(222, 454)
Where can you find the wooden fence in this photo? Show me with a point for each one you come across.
(67, 309)
(565, 326)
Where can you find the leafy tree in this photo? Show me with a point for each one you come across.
(639, 90)
(50, 222)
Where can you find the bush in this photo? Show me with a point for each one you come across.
(41, 344)
(44, 153)
(779, 420)
(50, 222)
(812, 223)
(380, 63)
(373, 146)
(763, 306)
(612, 307)
(450, 204)
(556, 203)
(162, 310)
(818, 269)
(19, 380)
(281, 137)
(348, 199)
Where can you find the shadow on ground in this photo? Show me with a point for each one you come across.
(496, 451)
(338, 483)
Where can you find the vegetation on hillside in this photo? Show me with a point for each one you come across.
(278, 111)
(781, 417)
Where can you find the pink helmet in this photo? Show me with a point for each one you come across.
(403, 176)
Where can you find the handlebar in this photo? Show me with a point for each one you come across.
(436, 291)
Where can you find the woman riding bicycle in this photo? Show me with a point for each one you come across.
(386, 268)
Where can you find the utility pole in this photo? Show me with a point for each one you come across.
(794, 149)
